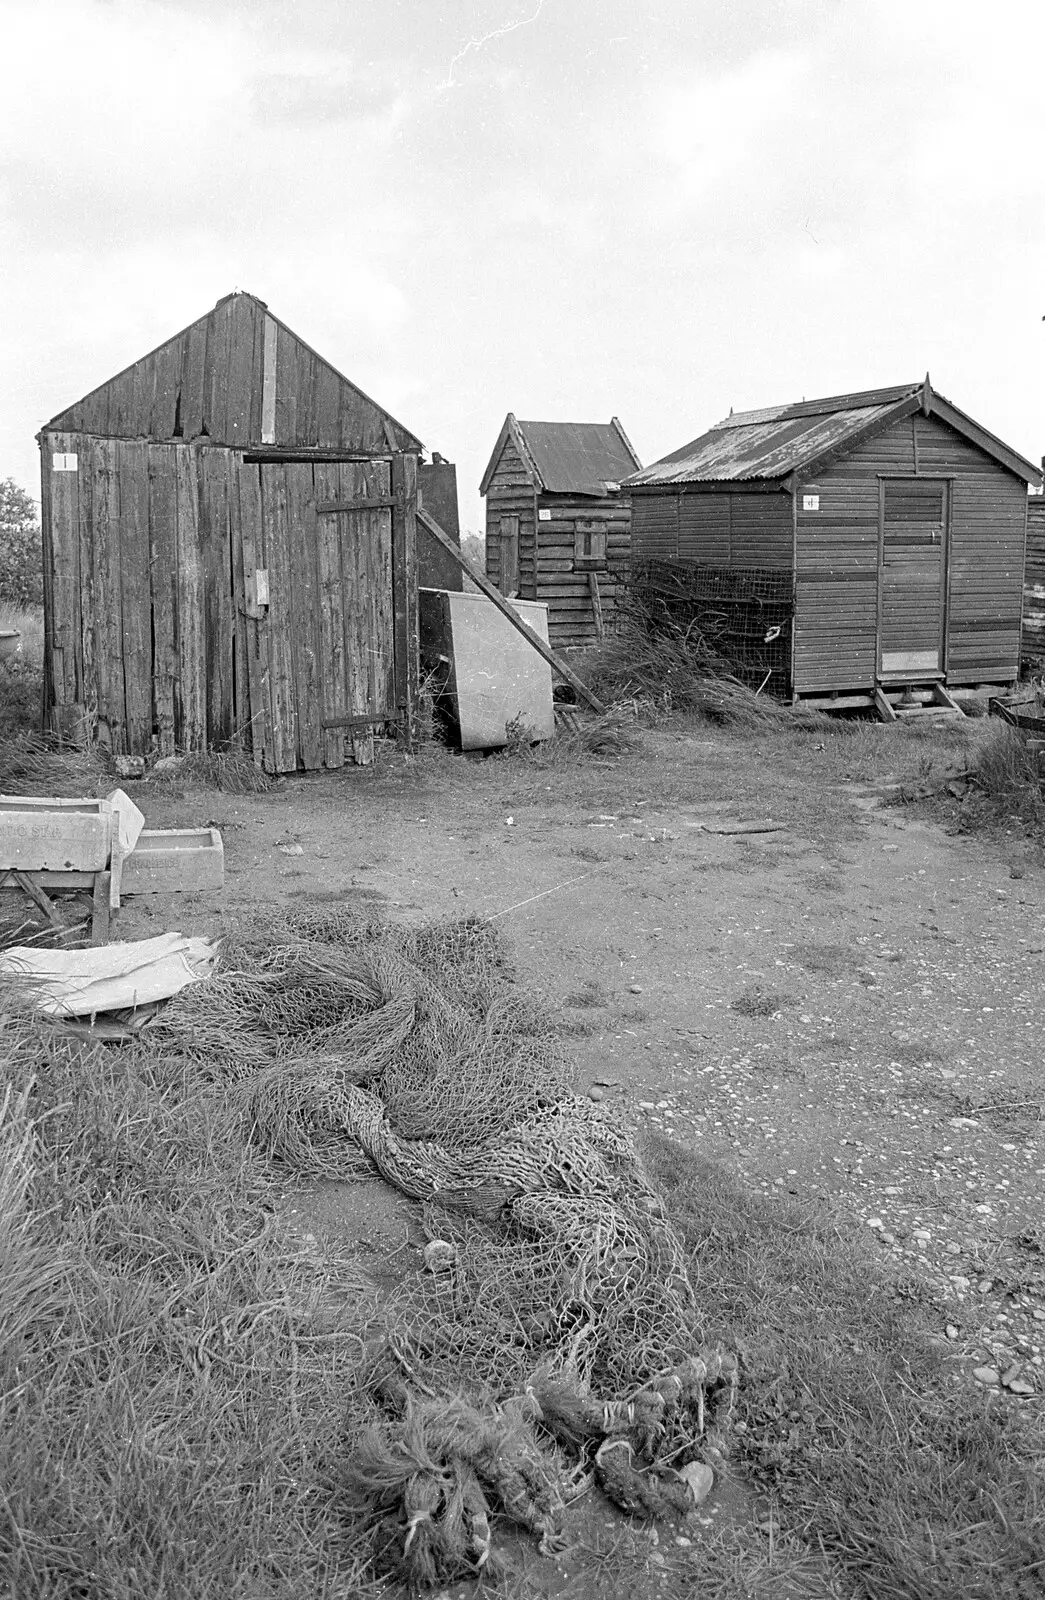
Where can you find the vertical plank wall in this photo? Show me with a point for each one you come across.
(138, 631)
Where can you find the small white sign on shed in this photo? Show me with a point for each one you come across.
(63, 461)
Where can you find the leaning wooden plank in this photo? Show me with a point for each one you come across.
(883, 706)
(502, 605)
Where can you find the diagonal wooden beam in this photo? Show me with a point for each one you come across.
(485, 587)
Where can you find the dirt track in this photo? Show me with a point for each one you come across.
(846, 1009)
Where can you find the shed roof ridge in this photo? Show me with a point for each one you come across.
(55, 422)
(858, 400)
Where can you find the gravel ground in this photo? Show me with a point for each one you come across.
(845, 1008)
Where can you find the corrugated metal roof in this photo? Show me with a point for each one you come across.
(577, 457)
(773, 442)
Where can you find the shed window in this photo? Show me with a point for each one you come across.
(913, 512)
(589, 546)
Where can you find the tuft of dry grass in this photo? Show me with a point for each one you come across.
(1009, 773)
(31, 763)
(664, 667)
(233, 771)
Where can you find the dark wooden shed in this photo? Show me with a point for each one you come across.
(895, 524)
(557, 524)
(230, 552)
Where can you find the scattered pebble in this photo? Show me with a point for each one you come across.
(595, 1093)
(986, 1375)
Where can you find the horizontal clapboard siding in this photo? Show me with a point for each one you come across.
(560, 585)
(713, 528)
(836, 629)
(1034, 579)
(654, 526)
(988, 522)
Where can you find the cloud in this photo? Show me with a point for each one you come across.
(715, 128)
(325, 96)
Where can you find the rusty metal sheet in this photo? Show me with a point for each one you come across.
(774, 441)
(739, 448)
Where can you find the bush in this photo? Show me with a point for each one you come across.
(21, 551)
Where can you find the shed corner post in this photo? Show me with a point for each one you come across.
(47, 690)
(404, 589)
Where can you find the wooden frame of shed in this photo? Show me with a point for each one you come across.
(558, 527)
(230, 552)
(897, 523)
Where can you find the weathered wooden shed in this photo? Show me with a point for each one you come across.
(230, 552)
(894, 522)
(557, 524)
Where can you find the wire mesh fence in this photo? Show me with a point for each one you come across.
(744, 615)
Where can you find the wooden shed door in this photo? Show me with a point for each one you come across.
(330, 627)
(509, 584)
(912, 573)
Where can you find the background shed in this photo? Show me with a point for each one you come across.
(229, 551)
(557, 525)
(867, 543)
(1034, 586)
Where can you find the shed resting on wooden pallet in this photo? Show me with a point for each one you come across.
(229, 552)
(898, 522)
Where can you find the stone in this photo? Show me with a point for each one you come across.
(440, 1255)
(986, 1375)
(699, 1479)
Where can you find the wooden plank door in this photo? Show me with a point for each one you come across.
(912, 577)
(509, 580)
(327, 614)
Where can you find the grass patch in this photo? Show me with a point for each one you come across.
(914, 1484)
(170, 1400)
(1010, 774)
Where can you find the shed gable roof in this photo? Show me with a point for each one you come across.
(567, 457)
(778, 440)
(235, 376)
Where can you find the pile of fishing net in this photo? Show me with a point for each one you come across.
(553, 1339)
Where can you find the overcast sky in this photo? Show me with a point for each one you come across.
(563, 208)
